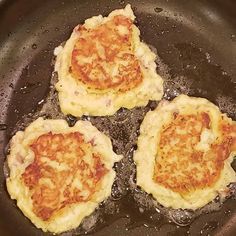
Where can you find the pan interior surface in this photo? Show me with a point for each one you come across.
(196, 46)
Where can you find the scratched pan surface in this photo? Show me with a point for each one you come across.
(196, 45)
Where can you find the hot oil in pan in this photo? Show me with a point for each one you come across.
(127, 200)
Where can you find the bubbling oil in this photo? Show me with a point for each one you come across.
(127, 200)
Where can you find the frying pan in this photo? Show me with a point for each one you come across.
(196, 46)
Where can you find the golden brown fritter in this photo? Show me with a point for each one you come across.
(104, 66)
(185, 151)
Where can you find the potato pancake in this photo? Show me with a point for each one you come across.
(59, 174)
(184, 154)
(104, 66)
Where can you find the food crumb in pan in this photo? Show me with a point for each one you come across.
(208, 57)
(233, 37)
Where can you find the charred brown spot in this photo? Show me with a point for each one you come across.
(205, 120)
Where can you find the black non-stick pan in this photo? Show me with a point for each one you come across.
(196, 46)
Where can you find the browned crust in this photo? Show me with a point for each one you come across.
(115, 51)
(179, 166)
(64, 149)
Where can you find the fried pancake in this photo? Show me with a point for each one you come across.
(59, 175)
(104, 66)
(187, 152)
